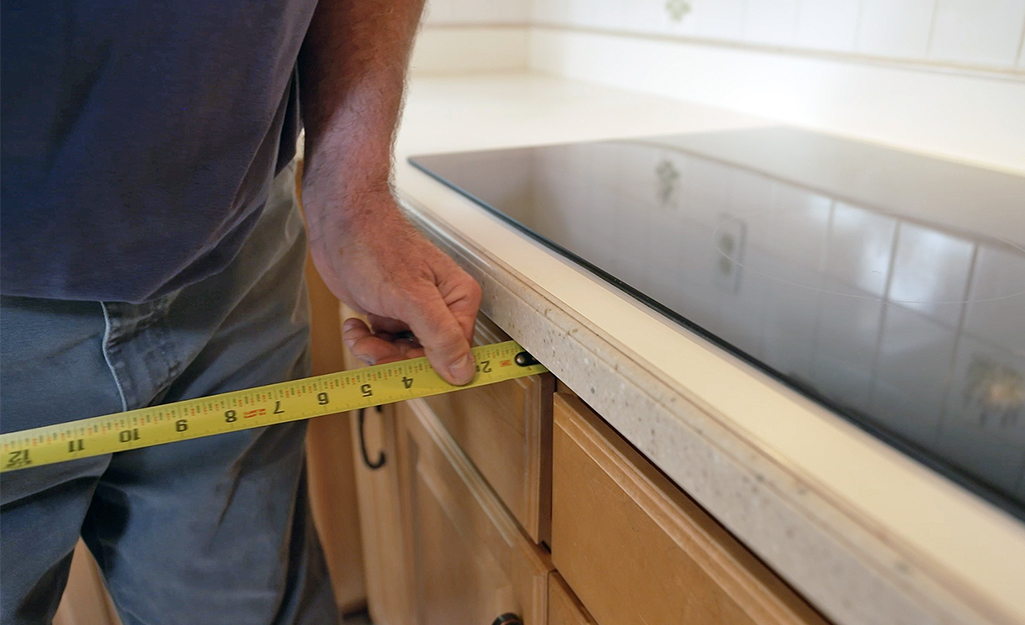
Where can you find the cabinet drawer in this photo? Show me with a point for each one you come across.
(563, 607)
(505, 430)
(469, 560)
(635, 549)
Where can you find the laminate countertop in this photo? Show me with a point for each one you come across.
(865, 533)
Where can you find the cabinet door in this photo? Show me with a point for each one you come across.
(385, 563)
(505, 430)
(636, 550)
(563, 606)
(469, 561)
(385, 568)
(329, 461)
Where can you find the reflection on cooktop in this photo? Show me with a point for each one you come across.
(888, 286)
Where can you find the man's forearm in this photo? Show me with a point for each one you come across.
(352, 75)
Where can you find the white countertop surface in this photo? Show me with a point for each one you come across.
(866, 534)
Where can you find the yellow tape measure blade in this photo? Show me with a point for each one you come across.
(255, 407)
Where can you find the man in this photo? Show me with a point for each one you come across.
(152, 252)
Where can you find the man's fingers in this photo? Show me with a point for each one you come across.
(463, 301)
(442, 337)
(376, 349)
(449, 352)
(381, 324)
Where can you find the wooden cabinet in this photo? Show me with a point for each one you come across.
(476, 484)
(374, 449)
(381, 520)
(636, 549)
(563, 606)
(329, 460)
(505, 430)
(469, 561)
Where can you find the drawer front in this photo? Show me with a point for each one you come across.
(635, 549)
(469, 560)
(563, 606)
(505, 430)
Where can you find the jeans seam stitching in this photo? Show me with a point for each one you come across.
(107, 331)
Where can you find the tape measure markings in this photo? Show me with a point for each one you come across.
(256, 407)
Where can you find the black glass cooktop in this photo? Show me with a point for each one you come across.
(888, 286)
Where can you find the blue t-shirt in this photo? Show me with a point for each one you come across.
(139, 139)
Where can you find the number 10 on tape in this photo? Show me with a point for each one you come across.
(255, 407)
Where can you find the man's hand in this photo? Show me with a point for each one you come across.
(403, 283)
(351, 75)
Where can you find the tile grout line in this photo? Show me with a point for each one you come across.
(1020, 60)
(932, 29)
(857, 26)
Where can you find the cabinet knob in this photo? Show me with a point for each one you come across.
(508, 619)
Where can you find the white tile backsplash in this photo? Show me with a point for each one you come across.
(513, 12)
(978, 31)
(895, 28)
(580, 12)
(770, 21)
(644, 17)
(827, 24)
(982, 33)
(610, 14)
(720, 19)
(481, 11)
(547, 11)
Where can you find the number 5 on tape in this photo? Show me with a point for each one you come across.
(255, 407)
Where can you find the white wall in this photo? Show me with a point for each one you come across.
(478, 12)
(974, 34)
(472, 35)
(941, 77)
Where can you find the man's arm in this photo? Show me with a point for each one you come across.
(352, 75)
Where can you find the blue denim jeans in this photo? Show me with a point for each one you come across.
(212, 530)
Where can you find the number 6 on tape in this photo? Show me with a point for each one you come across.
(255, 407)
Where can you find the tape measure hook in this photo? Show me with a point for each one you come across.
(524, 359)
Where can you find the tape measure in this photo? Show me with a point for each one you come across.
(255, 407)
